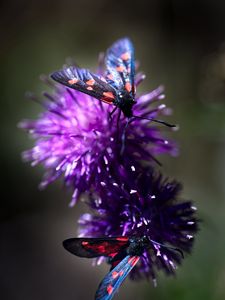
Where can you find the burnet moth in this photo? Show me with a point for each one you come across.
(123, 253)
(116, 87)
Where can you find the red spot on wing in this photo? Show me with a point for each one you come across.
(101, 248)
(110, 76)
(130, 260)
(90, 88)
(73, 81)
(133, 260)
(122, 239)
(113, 254)
(106, 100)
(109, 95)
(115, 274)
(121, 273)
(106, 248)
(84, 243)
(128, 86)
(125, 56)
(120, 68)
(109, 289)
(90, 82)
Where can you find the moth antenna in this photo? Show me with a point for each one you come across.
(155, 120)
(168, 247)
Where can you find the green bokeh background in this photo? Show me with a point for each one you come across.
(180, 44)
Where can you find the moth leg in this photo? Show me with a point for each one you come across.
(123, 138)
(112, 112)
(118, 125)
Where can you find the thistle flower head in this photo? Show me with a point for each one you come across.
(77, 139)
(143, 204)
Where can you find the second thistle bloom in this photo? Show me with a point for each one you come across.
(143, 203)
(75, 137)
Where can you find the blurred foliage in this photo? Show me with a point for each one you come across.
(179, 44)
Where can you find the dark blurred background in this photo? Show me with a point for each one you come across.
(180, 44)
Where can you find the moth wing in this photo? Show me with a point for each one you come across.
(120, 65)
(114, 279)
(95, 247)
(86, 82)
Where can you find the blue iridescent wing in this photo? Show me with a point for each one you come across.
(84, 81)
(114, 279)
(120, 65)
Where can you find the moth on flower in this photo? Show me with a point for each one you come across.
(77, 137)
(146, 215)
(117, 87)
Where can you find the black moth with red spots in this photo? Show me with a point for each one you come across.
(123, 254)
(116, 87)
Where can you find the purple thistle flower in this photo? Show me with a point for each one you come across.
(76, 138)
(143, 204)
